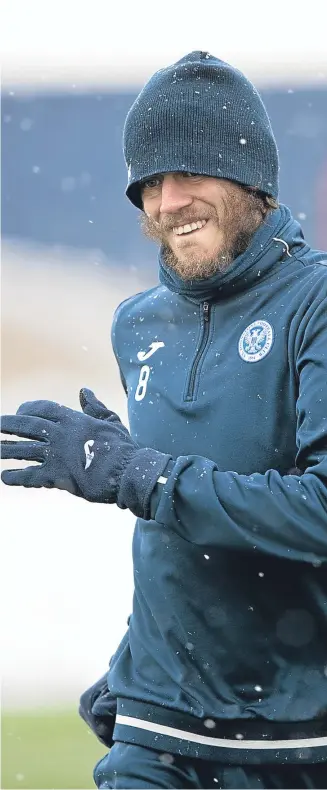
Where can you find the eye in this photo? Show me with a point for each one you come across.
(151, 183)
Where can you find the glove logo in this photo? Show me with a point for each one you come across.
(256, 341)
(89, 455)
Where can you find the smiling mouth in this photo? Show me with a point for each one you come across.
(191, 227)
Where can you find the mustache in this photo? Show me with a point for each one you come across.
(168, 223)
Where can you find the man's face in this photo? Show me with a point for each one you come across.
(203, 223)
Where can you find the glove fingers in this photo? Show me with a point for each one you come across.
(22, 451)
(94, 407)
(26, 427)
(47, 409)
(29, 477)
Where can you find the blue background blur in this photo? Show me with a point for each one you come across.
(64, 174)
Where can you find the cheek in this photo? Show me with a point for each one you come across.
(151, 207)
(213, 234)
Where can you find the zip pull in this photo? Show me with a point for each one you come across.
(206, 308)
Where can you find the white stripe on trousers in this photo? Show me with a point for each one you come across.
(227, 743)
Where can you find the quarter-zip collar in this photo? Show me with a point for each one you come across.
(279, 237)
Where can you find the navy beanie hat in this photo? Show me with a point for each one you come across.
(203, 116)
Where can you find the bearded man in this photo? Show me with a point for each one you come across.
(220, 680)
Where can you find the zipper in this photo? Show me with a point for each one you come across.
(205, 309)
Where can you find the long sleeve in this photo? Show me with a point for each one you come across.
(286, 515)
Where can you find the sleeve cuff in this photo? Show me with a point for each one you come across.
(139, 479)
(158, 489)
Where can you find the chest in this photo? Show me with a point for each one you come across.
(212, 382)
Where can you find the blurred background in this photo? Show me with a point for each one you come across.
(71, 251)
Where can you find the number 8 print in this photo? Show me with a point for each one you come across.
(142, 383)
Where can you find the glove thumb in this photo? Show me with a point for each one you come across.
(92, 406)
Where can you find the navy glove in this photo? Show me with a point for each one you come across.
(98, 709)
(90, 454)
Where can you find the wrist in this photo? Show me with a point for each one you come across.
(139, 480)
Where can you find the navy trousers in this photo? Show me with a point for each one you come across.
(128, 767)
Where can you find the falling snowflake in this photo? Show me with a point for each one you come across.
(209, 723)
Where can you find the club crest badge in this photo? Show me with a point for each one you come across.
(256, 341)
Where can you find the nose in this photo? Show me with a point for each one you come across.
(174, 194)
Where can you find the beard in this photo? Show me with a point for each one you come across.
(243, 212)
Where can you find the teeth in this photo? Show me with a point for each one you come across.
(188, 228)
